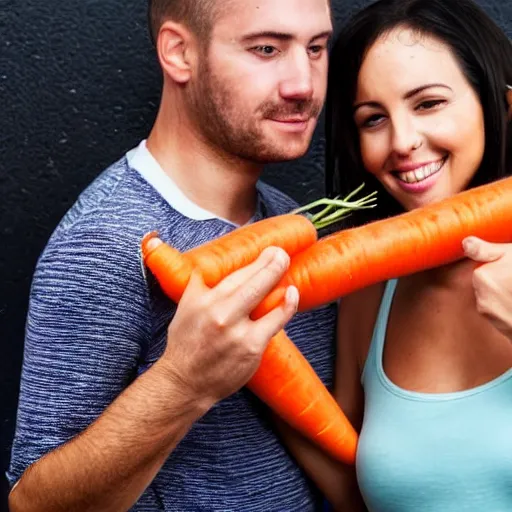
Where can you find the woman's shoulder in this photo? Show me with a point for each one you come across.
(357, 314)
(356, 320)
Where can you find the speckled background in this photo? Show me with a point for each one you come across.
(79, 85)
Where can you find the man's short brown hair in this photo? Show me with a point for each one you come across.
(198, 15)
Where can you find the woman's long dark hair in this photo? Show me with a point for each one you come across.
(484, 54)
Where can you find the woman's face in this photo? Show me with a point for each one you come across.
(420, 123)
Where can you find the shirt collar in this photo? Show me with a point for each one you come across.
(142, 161)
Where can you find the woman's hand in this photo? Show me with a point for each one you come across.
(492, 281)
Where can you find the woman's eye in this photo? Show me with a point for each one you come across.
(265, 50)
(429, 104)
(372, 121)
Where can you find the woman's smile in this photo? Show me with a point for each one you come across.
(421, 178)
(421, 129)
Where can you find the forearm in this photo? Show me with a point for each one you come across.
(109, 465)
(336, 481)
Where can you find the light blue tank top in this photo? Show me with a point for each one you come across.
(442, 452)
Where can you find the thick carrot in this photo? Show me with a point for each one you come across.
(423, 238)
(292, 232)
(285, 381)
(222, 256)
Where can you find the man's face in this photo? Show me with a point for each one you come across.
(261, 84)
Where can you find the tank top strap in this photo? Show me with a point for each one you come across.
(371, 365)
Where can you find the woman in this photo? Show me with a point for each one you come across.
(417, 108)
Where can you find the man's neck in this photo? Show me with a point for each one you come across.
(219, 183)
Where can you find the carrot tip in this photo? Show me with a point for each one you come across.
(149, 243)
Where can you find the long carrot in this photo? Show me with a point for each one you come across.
(292, 232)
(342, 263)
(222, 256)
(420, 239)
(311, 409)
(285, 381)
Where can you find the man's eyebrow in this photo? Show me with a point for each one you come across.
(280, 36)
(406, 96)
(322, 35)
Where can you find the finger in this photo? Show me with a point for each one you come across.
(494, 312)
(479, 250)
(269, 257)
(252, 292)
(195, 284)
(271, 323)
(149, 243)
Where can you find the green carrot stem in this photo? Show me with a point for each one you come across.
(341, 207)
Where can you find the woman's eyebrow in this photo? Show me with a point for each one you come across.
(421, 88)
(407, 95)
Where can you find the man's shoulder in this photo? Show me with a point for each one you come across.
(106, 223)
(118, 203)
(118, 191)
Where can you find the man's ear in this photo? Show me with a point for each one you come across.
(175, 47)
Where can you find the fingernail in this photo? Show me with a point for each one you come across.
(281, 256)
(270, 253)
(292, 295)
(468, 244)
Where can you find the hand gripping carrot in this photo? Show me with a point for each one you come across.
(221, 257)
(420, 239)
(285, 381)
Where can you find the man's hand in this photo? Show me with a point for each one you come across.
(213, 346)
(492, 281)
(213, 350)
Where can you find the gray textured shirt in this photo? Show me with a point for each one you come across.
(96, 320)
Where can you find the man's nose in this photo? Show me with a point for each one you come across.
(297, 83)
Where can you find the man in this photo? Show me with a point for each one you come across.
(121, 407)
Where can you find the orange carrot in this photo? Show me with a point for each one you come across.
(285, 381)
(311, 409)
(220, 257)
(292, 232)
(171, 270)
(423, 238)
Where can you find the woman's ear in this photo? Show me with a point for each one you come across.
(174, 48)
(509, 100)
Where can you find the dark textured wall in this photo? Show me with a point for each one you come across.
(79, 85)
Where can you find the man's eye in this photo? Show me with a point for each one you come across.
(265, 50)
(316, 50)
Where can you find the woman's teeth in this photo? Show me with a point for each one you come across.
(420, 173)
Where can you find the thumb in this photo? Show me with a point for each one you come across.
(479, 250)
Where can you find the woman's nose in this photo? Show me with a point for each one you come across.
(405, 136)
